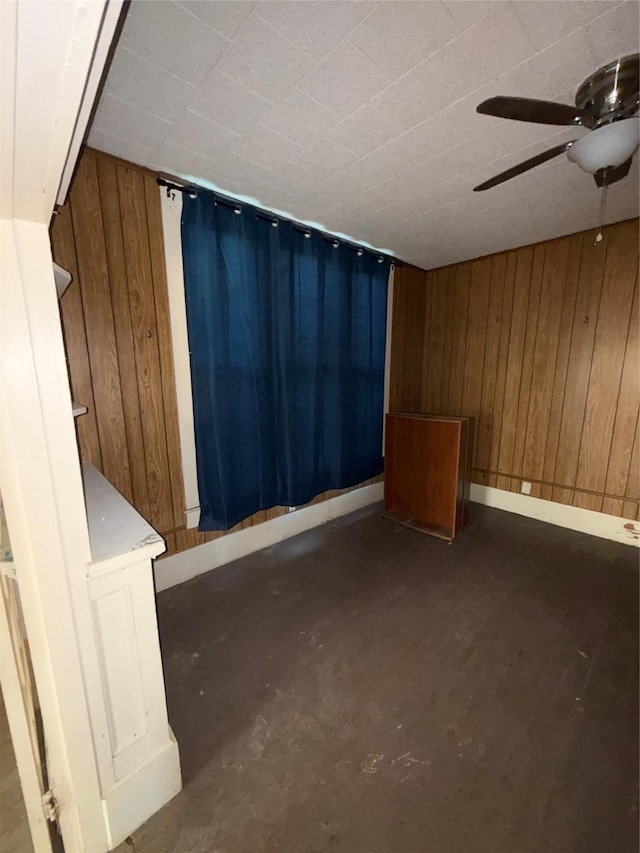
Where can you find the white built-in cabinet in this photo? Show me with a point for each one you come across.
(138, 761)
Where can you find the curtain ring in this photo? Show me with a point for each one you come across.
(306, 234)
(237, 210)
(360, 252)
(335, 243)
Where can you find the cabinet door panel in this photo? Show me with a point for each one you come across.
(422, 467)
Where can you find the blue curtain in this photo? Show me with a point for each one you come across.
(287, 341)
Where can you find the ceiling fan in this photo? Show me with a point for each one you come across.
(606, 104)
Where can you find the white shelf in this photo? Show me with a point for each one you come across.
(118, 534)
(63, 279)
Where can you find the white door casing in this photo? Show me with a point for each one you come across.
(44, 505)
(52, 57)
(19, 700)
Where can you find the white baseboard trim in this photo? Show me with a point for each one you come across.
(133, 799)
(575, 518)
(196, 561)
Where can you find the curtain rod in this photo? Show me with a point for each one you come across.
(274, 218)
(181, 188)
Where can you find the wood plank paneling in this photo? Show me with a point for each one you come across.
(585, 320)
(474, 354)
(72, 315)
(545, 350)
(540, 345)
(93, 277)
(621, 266)
(524, 266)
(501, 371)
(145, 343)
(632, 492)
(626, 418)
(526, 375)
(562, 358)
(414, 325)
(117, 330)
(112, 221)
(490, 376)
(398, 379)
(459, 338)
(448, 324)
(423, 387)
(434, 342)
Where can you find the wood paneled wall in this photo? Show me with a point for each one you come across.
(115, 318)
(540, 346)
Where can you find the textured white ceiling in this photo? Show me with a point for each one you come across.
(361, 115)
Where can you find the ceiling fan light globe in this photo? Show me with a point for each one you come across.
(608, 146)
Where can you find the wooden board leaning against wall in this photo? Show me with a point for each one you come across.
(540, 346)
(115, 319)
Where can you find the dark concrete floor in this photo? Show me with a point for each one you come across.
(364, 688)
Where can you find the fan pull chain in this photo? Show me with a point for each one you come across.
(603, 211)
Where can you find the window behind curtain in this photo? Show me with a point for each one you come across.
(287, 342)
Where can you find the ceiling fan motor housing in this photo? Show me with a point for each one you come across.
(611, 93)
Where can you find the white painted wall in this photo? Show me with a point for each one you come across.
(52, 56)
(171, 204)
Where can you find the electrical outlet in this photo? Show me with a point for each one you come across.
(525, 488)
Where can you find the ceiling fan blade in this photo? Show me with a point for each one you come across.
(524, 166)
(529, 109)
